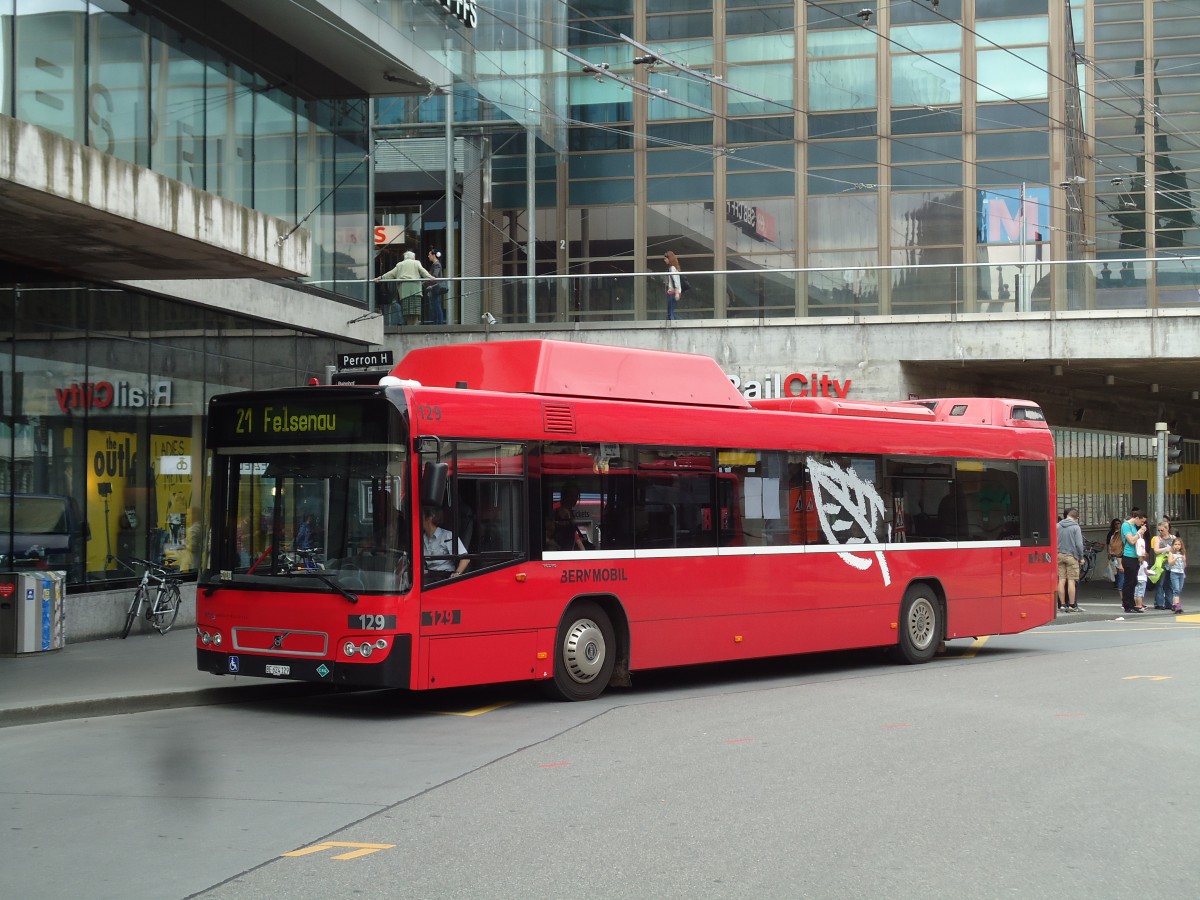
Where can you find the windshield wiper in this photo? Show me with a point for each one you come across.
(353, 598)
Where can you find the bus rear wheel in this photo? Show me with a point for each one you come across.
(920, 625)
(584, 653)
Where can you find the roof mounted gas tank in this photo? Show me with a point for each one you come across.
(570, 369)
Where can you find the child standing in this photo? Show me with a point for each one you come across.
(1177, 561)
(1143, 575)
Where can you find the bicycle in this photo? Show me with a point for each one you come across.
(163, 609)
(1090, 551)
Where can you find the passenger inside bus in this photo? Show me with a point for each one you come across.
(566, 534)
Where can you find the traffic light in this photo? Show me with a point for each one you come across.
(1174, 453)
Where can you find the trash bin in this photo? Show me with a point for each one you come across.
(31, 611)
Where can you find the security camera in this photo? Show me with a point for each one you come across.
(487, 319)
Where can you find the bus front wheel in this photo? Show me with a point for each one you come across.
(584, 653)
(920, 625)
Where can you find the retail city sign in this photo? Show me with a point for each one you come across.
(464, 10)
(796, 384)
(92, 395)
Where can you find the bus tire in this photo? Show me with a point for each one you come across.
(585, 652)
(920, 625)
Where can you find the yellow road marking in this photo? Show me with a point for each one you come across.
(969, 652)
(472, 712)
(1184, 617)
(1147, 677)
(361, 849)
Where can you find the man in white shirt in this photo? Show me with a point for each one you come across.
(442, 559)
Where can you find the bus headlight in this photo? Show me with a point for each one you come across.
(349, 649)
(366, 649)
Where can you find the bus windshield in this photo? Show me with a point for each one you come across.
(334, 516)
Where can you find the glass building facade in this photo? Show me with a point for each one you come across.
(104, 388)
(809, 159)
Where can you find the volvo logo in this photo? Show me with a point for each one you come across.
(277, 644)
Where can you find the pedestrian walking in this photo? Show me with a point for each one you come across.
(674, 283)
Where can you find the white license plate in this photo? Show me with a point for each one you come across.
(279, 670)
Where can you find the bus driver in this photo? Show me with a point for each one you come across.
(438, 542)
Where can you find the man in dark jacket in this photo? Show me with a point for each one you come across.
(1070, 555)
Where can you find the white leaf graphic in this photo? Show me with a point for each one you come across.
(843, 500)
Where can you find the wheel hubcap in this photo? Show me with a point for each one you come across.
(921, 619)
(584, 651)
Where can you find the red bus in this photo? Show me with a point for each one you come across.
(422, 533)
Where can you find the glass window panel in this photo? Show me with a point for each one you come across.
(676, 84)
(926, 219)
(676, 26)
(924, 121)
(847, 285)
(1119, 12)
(901, 13)
(761, 156)
(1013, 32)
(855, 124)
(605, 231)
(586, 33)
(762, 290)
(682, 227)
(600, 165)
(772, 80)
(582, 193)
(926, 38)
(842, 84)
(924, 287)
(228, 132)
(999, 116)
(836, 181)
(667, 190)
(917, 149)
(275, 153)
(762, 226)
(761, 184)
(1021, 72)
(998, 146)
(849, 42)
(744, 131)
(760, 48)
(593, 137)
(842, 153)
(692, 133)
(1124, 32)
(177, 98)
(679, 162)
(848, 221)
(49, 66)
(118, 67)
(927, 80)
(928, 176)
(993, 8)
(761, 22)
(1001, 174)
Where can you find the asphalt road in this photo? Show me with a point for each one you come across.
(1051, 764)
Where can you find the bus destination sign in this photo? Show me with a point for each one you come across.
(287, 419)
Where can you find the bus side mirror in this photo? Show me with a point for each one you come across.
(434, 476)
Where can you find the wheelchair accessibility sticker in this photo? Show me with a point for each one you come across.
(234, 664)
